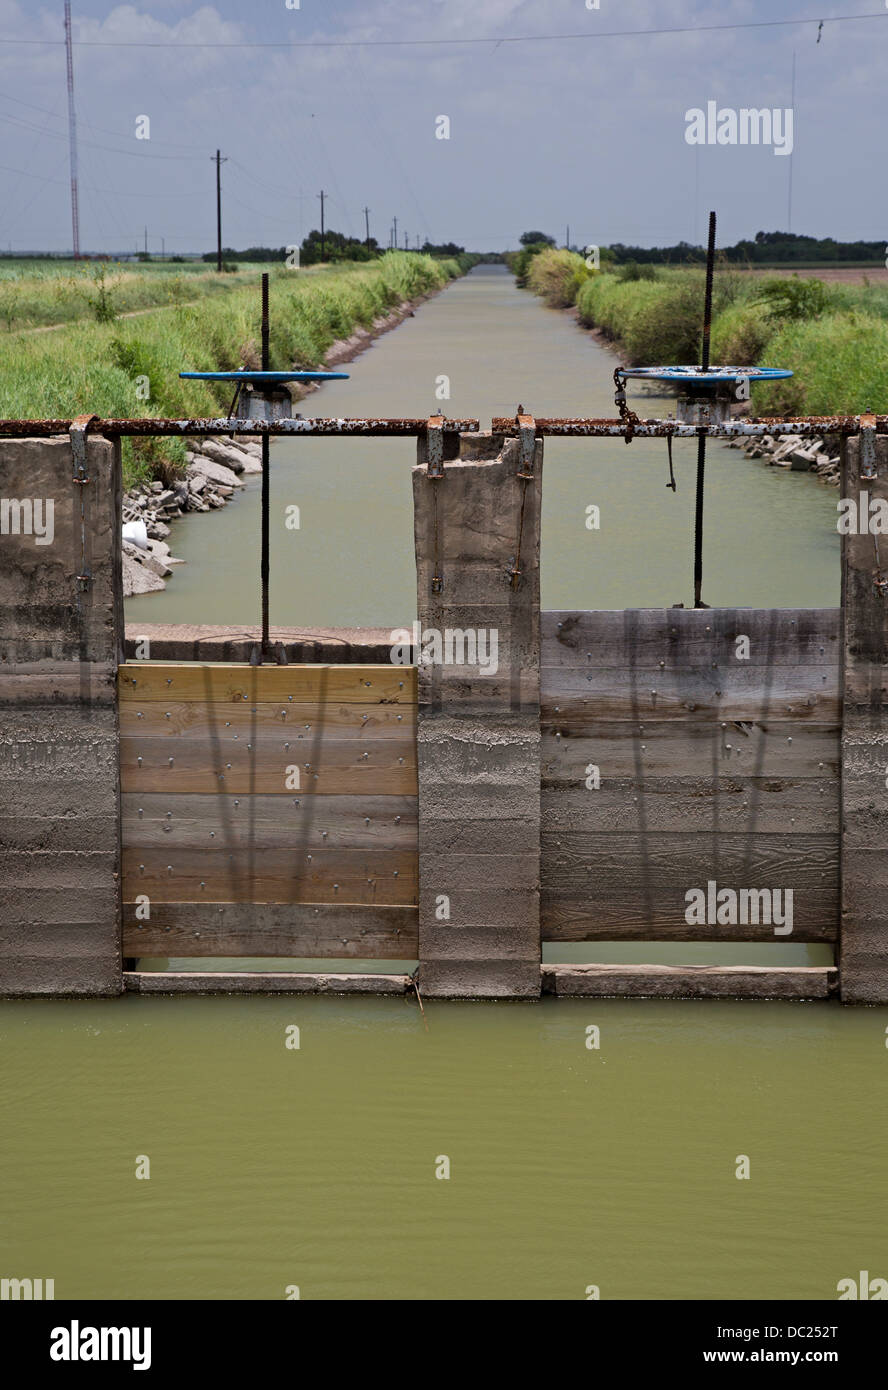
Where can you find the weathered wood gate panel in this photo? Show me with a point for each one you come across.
(716, 737)
(268, 810)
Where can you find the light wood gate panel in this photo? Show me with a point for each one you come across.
(268, 810)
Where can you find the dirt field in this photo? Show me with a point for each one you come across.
(839, 274)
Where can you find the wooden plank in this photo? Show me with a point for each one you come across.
(231, 682)
(255, 982)
(309, 931)
(578, 861)
(264, 765)
(268, 822)
(686, 637)
(774, 805)
(308, 722)
(745, 693)
(271, 876)
(670, 748)
(575, 916)
(212, 642)
(691, 981)
(627, 887)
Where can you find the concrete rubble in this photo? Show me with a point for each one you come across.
(214, 472)
(817, 455)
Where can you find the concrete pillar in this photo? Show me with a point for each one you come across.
(863, 957)
(478, 720)
(60, 643)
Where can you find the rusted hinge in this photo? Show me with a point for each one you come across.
(435, 446)
(77, 435)
(867, 446)
(435, 471)
(526, 443)
(526, 425)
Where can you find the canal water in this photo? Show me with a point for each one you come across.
(770, 537)
(273, 1167)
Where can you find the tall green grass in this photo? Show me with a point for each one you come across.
(839, 362)
(38, 298)
(105, 369)
(835, 342)
(655, 320)
(556, 276)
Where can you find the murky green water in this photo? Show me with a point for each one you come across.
(273, 1167)
(569, 1167)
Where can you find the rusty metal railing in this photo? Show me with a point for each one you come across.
(148, 426)
(380, 427)
(806, 426)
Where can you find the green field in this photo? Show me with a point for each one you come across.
(833, 336)
(107, 364)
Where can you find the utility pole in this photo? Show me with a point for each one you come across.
(146, 241)
(322, 195)
(219, 162)
(395, 243)
(367, 226)
(406, 247)
(792, 108)
(163, 248)
(567, 243)
(72, 133)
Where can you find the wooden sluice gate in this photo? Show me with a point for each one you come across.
(267, 807)
(450, 796)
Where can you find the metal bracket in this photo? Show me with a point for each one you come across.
(77, 435)
(868, 446)
(526, 444)
(435, 471)
(435, 441)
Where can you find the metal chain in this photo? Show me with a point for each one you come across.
(628, 417)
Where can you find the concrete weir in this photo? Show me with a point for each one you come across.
(489, 780)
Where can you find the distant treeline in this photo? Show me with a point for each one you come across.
(767, 248)
(335, 246)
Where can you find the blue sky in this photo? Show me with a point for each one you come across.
(586, 130)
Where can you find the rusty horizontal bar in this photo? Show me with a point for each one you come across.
(39, 429)
(806, 426)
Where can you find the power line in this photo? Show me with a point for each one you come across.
(17, 101)
(434, 43)
(91, 188)
(92, 144)
(297, 197)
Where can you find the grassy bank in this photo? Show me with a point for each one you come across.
(38, 296)
(129, 367)
(834, 337)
